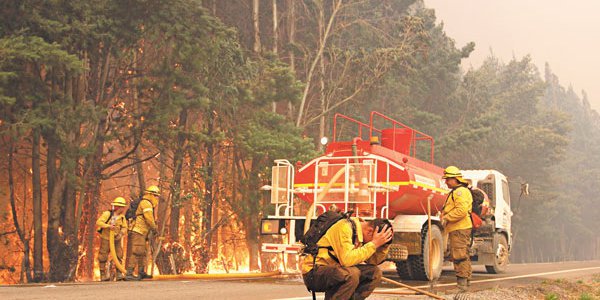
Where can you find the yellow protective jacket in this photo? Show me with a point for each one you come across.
(103, 223)
(457, 210)
(144, 215)
(339, 237)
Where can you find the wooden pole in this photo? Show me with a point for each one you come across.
(395, 292)
(412, 288)
(429, 237)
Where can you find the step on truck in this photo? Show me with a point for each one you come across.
(385, 169)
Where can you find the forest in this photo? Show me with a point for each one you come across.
(100, 99)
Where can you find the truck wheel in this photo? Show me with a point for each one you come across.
(403, 269)
(500, 257)
(419, 265)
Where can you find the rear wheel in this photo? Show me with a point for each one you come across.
(500, 255)
(419, 265)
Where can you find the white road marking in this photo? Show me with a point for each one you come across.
(504, 278)
(451, 284)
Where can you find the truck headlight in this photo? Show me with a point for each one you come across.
(270, 226)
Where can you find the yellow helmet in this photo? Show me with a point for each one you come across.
(154, 190)
(119, 201)
(453, 172)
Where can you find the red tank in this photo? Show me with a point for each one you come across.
(374, 179)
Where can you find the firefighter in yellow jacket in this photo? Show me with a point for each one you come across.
(144, 223)
(114, 220)
(456, 219)
(340, 272)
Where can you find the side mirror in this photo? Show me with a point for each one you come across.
(524, 189)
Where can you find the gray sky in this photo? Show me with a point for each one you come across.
(566, 34)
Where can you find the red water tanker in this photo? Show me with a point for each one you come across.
(374, 171)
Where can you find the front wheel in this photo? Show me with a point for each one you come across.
(419, 265)
(500, 255)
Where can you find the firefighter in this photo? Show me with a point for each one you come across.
(144, 223)
(114, 220)
(456, 219)
(340, 272)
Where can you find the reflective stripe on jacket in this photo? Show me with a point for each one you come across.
(144, 217)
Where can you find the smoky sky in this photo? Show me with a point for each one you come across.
(566, 34)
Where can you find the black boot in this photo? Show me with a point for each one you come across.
(462, 284)
(120, 276)
(144, 275)
(103, 276)
(130, 276)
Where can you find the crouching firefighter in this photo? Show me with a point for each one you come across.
(342, 255)
(114, 220)
(144, 224)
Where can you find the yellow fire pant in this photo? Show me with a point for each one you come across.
(138, 252)
(105, 250)
(460, 241)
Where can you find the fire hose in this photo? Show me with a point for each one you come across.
(113, 254)
(217, 276)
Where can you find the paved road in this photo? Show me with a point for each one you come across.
(289, 287)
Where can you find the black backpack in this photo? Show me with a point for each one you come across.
(478, 198)
(133, 205)
(318, 229)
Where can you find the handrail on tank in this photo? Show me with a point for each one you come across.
(346, 163)
(359, 123)
(416, 135)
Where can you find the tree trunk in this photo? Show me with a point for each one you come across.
(137, 155)
(38, 244)
(252, 220)
(322, 80)
(275, 28)
(93, 179)
(275, 39)
(59, 252)
(176, 185)
(291, 52)
(256, 22)
(26, 264)
(208, 189)
(322, 43)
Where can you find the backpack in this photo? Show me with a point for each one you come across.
(478, 198)
(107, 220)
(133, 205)
(316, 231)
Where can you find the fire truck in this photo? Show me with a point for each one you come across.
(385, 169)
